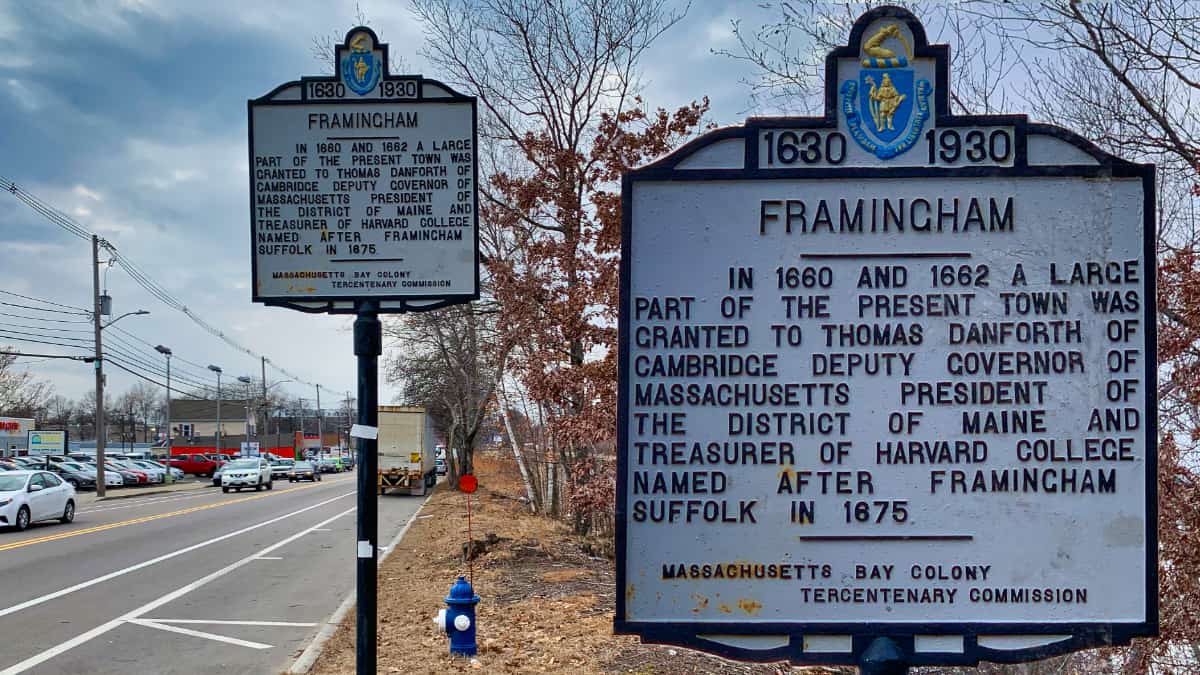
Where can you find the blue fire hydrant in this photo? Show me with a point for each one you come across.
(458, 621)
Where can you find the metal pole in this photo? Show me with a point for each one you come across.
(265, 408)
(883, 657)
(218, 412)
(368, 345)
(168, 478)
(320, 428)
(100, 487)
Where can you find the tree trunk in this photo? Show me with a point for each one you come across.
(516, 447)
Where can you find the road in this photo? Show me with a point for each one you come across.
(189, 582)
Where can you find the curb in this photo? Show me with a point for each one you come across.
(149, 492)
(312, 652)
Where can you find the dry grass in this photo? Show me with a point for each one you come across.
(547, 606)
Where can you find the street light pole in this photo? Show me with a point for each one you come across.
(320, 426)
(167, 353)
(246, 380)
(218, 371)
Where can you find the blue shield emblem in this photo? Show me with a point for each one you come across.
(886, 98)
(360, 71)
(887, 106)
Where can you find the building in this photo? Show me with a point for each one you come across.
(14, 435)
(192, 418)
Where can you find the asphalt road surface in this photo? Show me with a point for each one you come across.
(190, 582)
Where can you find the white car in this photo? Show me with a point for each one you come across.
(246, 473)
(30, 496)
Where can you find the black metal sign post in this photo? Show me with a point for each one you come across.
(368, 345)
(363, 201)
(883, 657)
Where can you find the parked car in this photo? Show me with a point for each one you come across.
(440, 466)
(176, 473)
(197, 464)
(303, 471)
(75, 474)
(127, 477)
(325, 465)
(280, 468)
(348, 462)
(9, 466)
(29, 496)
(252, 472)
(143, 475)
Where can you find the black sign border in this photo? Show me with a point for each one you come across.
(1083, 635)
(328, 304)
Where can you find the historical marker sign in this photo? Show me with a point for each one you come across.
(362, 186)
(890, 372)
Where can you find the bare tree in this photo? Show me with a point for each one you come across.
(447, 362)
(21, 393)
(547, 75)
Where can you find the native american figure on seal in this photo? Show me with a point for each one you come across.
(885, 100)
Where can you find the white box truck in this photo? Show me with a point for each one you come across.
(406, 450)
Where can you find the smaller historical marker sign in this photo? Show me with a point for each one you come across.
(362, 186)
(888, 373)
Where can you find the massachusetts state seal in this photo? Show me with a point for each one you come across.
(887, 107)
(360, 67)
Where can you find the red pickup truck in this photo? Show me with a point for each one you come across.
(195, 464)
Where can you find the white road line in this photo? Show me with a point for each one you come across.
(153, 561)
(269, 557)
(199, 634)
(216, 622)
(83, 638)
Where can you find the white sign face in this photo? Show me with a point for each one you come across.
(250, 449)
(916, 398)
(357, 193)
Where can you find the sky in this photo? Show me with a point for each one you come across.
(129, 116)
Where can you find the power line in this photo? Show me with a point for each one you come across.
(41, 318)
(46, 302)
(40, 342)
(151, 380)
(54, 329)
(141, 278)
(45, 357)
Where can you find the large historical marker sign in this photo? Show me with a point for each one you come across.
(890, 372)
(362, 186)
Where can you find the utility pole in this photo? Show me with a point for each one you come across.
(349, 421)
(320, 428)
(96, 318)
(266, 408)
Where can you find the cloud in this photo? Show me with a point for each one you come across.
(83, 191)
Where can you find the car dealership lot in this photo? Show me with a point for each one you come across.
(186, 582)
